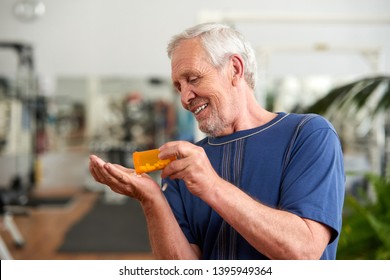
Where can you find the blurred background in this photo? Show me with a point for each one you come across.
(92, 77)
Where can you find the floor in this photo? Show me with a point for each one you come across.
(44, 228)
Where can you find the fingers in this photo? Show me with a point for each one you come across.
(117, 173)
(124, 169)
(96, 167)
(176, 169)
(109, 174)
(183, 151)
(123, 180)
(187, 154)
(102, 174)
(192, 166)
(178, 149)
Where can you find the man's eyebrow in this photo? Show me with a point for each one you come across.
(187, 73)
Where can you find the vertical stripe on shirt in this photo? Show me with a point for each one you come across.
(231, 167)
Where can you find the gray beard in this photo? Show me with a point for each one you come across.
(213, 127)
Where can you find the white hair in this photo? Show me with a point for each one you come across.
(220, 42)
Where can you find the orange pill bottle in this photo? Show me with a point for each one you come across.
(148, 161)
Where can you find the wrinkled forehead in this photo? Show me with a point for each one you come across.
(188, 56)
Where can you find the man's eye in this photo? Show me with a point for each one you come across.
(192, 79)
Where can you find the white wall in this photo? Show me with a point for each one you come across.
(88, 39)
(126, 37)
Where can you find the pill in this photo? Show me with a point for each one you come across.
(164, 187)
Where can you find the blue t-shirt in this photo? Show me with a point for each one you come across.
(304, 177)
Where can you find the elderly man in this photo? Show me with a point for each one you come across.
(261, 185)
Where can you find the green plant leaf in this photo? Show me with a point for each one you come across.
(384, 102)
(381, 228)
(366, 223)
(354, 94)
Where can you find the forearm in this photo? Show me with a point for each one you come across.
(166, 237)
(275, 233)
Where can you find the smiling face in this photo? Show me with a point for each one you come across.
(204, 90)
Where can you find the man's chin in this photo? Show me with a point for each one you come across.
(206, 130)
(210, 131)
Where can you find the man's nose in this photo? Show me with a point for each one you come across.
(186, 94)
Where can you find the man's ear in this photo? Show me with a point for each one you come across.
(237, 67)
